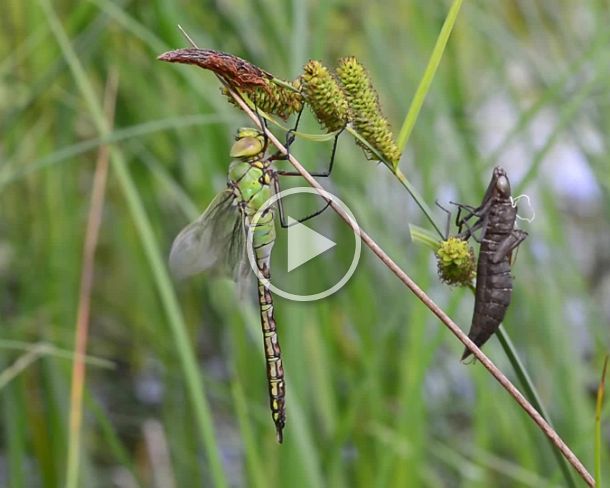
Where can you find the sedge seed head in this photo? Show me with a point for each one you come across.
(273, 99)
(456, 262)
(324, 95)
(365, 111)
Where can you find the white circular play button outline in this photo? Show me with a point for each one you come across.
(315, 296)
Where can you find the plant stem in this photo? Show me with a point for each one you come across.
(86, 286)
(533, 396)
(599, 404)
(419, 200)
(401, 177)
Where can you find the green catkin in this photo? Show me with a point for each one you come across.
(365, 112)
(456, 262)
(324, 96)
(274, 99)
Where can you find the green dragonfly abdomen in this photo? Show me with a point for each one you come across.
(273, 358)
(263, 234)
(250, 180)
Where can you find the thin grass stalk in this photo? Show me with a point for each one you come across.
(86, 285)
(567, 115)
(428, 76)
(428, 302)
(403, 181)
(115, 444)
(419, 200)
(14, 440)
(470, 458)
(554, 92)
(46, 349)
(159, 456)
(599, 404)
(532, 395)
(15, 169)
(194, 385)
(21, 363)
(251, 452)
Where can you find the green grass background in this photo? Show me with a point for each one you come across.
(376, 393)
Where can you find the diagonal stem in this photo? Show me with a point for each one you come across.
(532, 394)
(86, 286)
(426, 300)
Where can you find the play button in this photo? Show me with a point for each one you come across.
(304, 244)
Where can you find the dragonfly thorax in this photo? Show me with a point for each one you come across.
(250, 183)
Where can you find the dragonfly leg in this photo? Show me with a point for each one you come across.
(264, 128)
(290, 138)
(318, 174)
(296, 124)
(471, 229)
(448, 223)
(279, 155)
(479, 212)
(459, 220)
(516, 237)
(283, 220)
(472, 211)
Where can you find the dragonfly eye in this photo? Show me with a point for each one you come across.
(247, 147)
(244, 132)
(503, 186)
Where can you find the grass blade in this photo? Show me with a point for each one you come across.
(428, 76)
(599, 404)
(84, 304)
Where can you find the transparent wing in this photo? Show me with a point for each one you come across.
(237, 257)
(213, 240)
(238, 262)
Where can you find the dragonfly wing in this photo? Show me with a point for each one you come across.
(237, 259)
(204, 243)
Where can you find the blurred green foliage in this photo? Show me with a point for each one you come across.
(376, 394)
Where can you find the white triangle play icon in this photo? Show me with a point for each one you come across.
(304, 244)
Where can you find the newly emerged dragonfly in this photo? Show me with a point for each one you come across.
(496, 218)
(218, 237)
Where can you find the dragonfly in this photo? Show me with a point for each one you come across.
(218, 238)
(495, 217)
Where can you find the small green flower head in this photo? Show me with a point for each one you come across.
(456, 263)
(273, 99)
(324, 96)
(365, 112)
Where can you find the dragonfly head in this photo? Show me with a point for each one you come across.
(502, 184)
(248, 143)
